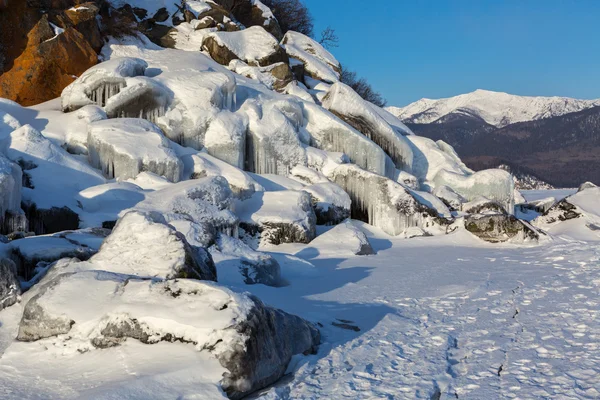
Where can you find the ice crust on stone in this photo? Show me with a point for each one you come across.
(363, 116)
(382, 202)
(124, 147)
(318, 62)
(225, 138)
(494, 184)
(77, 134)
(101, 82)
(10, 187)
(328, 132)
(344, 238)
(331, 202)
(452, 199)
(298, 89)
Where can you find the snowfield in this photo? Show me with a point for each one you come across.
(225, 219)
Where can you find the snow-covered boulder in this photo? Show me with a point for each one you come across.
(225, 138)
(362, 115)
(254, 46)
(382, 202)
(206, 201)
(343, 239)
(101, 310)
(29, 251)
(77, 132)
(46, 167)
(124, 147)
(482, 205)
(431, 157)
(493, 184)
(276, 76)
(101, 82)
(273, 144)
(279, 217)
(10, 288)
(144, 245)
(328, 132)
(331, 202)
(496, 228)
(252, 266)
(408, 180)
(583, 205)
(318, 63)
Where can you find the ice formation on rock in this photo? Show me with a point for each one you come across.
(278, 217)
(10, 190)
(10, 288)
(318, 62)
(453, 200)
(76, 134)
(272, 143)
(124, 147)
(494, 184)
(225, 138)
(382, 202)
(101, 82)
(328, 132)
(362, 115)
(142, 98)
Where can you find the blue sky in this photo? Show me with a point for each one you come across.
(409, 49)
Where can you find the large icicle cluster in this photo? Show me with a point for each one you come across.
(362, 115)
(10, 190)
(124, 147)
(382, 202)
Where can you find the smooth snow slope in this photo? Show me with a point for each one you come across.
(495, 108)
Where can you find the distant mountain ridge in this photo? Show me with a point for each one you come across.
(550, 141)
(495, 108)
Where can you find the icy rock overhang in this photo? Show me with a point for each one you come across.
(431, 157)
(318, 63)
(101, 82)
(124, 147)
(255, 46)
(382, 202)
(273, 145)
(493, 184)
(362, 115)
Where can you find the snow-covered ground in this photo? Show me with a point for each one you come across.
(447, 315)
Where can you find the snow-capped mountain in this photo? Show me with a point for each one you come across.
(495, 108)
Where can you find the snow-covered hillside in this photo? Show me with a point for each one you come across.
(495, 108)
(210, 213)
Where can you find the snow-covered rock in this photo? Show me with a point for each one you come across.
(496, 108)
(124, 147)
(254, 45)
(76, 136)
(285, 216)
(431, 157)
(362, 115)
(331, 202)
(583, 206)
(496, 228)
(318, 62)
(344, 238)
(253, 267)
(493, 184)
(144, 245)
(586, 185)
(10, 288)
(382, 202)
(225, 138)
(240, 182)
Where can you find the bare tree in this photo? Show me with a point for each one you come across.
(329, 38)
(362, 87)
(292, 15)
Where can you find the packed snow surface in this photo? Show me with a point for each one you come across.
(495, 108)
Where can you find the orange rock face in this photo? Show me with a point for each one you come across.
(38, 66)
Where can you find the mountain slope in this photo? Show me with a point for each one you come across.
(495, 108)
